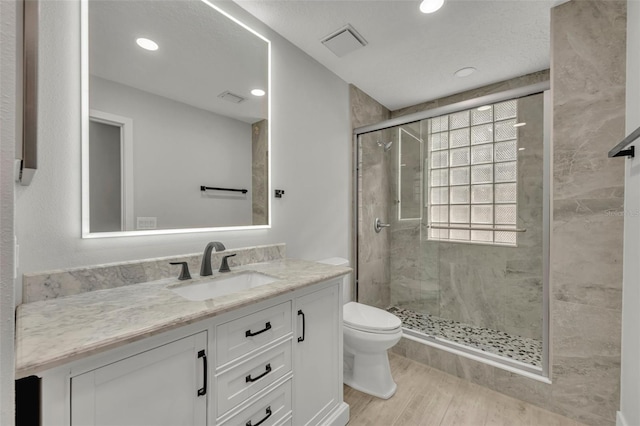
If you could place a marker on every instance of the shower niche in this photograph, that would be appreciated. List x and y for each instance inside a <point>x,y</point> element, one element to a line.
<point>465,189</point>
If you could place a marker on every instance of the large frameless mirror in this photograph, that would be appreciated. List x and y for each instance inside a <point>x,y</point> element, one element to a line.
<point>175,119</point>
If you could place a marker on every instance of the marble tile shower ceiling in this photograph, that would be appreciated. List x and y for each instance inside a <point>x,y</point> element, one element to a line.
<point>528,351</point>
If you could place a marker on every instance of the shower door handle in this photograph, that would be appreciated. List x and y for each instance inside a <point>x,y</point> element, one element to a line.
<point>377,226</point>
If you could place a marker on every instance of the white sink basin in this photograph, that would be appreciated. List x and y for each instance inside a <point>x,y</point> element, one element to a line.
<point>216,287</point>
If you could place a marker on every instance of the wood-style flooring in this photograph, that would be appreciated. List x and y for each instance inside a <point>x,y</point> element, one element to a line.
<point>430,397</point>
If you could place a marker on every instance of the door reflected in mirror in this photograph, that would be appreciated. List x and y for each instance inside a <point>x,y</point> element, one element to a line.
<point>176,103</point>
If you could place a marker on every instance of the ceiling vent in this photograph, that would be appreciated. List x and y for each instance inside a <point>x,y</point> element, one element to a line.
<point>344,41</point>
<point>231,97</point>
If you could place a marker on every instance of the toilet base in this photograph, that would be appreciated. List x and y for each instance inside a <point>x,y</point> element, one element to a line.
<point>369,392</point>
<point>369,373</point>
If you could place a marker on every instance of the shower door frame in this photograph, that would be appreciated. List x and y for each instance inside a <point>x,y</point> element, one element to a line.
<point>544,373</point>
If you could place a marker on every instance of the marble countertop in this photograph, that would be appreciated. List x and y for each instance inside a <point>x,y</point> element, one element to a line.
<point>54,332</point>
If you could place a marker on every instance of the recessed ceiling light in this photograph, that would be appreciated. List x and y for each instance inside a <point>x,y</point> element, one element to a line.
<point>520,149</point>
<point>464,72</point>
<point>519,124</point>
<point>258,92</point>
<point>147,44</point>
<point>430,6</point>
<point>484,108</point>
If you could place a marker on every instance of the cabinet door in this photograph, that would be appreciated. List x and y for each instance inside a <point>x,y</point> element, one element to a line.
<point>157,387</point>
<point>316,343</point>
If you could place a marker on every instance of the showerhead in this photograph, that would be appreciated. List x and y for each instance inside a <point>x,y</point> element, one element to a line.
<point>387,146</point>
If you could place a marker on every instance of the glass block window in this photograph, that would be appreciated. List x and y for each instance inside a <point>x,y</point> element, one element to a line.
<point>472,176</point>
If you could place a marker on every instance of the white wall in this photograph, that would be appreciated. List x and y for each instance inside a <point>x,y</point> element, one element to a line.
<point>8,135</point>
<point>630,375</point>
<point>310,161</point>
<point>176,149</point>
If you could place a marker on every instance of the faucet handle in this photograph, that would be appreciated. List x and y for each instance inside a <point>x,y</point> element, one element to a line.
<point>224,266</point>
<point>184,272</point>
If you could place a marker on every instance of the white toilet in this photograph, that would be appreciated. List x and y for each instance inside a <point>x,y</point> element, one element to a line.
<point>368,333</point>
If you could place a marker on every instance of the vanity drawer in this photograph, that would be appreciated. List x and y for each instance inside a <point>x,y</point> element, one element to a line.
<point>271,409</point>
<point>245,380</point>
<point>244,335</point>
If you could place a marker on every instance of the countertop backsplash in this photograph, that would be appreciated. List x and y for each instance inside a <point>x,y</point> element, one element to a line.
<point>39,286</point>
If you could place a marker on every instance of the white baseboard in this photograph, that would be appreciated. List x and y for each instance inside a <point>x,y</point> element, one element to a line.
<point>338,417</point>
<point>620,420</point>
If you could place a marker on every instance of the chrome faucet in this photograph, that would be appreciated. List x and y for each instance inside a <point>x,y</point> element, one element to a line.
<point>205,265</point>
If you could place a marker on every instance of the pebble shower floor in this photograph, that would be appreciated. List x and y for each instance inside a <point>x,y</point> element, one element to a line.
<point>528,351</point>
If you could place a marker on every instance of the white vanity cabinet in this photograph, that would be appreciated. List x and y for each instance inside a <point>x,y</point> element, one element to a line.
<point>318,355</point>
<point>276,362</point>
<point>165,386</point>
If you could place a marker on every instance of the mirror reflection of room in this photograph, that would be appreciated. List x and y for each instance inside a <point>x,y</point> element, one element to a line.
<point>178,133</point>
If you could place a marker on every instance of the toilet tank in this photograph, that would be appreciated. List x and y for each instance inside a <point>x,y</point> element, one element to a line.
<point>346,280</point>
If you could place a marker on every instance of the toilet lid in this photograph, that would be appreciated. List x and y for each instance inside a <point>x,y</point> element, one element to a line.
<point>365,317</point>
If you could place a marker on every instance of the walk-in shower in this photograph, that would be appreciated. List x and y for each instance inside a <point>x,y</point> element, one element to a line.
<point>465,190</point>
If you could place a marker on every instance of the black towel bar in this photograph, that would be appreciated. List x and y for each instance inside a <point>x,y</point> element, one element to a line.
<point>204,188</point>
<point>619,151</point>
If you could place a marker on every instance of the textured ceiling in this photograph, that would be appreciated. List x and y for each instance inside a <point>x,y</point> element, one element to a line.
<point>410,56</point>
<point>202,54</point>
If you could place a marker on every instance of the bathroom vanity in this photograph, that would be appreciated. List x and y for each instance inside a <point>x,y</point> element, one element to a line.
<point>143,354</point>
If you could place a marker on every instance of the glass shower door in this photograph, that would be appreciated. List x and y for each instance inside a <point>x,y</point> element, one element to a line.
<point>462,261</point>
<point>374,200</point>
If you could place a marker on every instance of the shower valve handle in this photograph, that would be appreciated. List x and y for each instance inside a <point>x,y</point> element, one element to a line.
<point>379,225</point>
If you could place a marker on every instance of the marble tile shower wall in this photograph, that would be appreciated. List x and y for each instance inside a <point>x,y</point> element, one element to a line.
<point>486,286</point>
<point>588,47</point>
<point>66,282</point>
<point>373,196</point>
<point>588,55</point>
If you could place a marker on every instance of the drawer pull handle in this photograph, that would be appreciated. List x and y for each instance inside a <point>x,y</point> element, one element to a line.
<point>267,326</point>
<point>301,339</point>
<point>267,371</point>
<point>268,411</point>
<point>203,390</point>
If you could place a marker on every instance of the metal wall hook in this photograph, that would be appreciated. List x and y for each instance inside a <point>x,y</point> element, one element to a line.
<point>378,225</point>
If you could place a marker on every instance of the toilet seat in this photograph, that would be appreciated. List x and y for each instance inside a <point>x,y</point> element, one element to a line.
<point>373,331</point>
<point>370,319</point>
